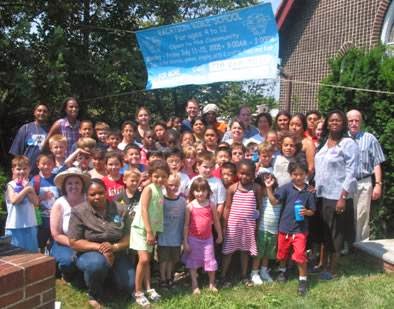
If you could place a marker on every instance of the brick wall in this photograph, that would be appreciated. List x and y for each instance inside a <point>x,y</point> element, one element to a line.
<point>27,280</point>
<point>317,30</point>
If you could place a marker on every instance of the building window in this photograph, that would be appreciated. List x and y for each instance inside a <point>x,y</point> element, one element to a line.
<point>387,36</point>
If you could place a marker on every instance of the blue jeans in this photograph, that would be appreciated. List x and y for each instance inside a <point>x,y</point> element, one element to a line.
<point>96,269</point>
<point>65,259</point>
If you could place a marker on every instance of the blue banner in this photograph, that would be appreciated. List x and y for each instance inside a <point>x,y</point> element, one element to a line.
<point>238,45</point>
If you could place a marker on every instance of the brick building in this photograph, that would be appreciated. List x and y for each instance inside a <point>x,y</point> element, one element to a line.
<point>313,31</point>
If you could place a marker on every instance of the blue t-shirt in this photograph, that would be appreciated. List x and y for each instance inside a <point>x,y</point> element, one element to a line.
<point>48,193</point>
<point>29,141</point>
<point>173,224</point>
<point>287,195</point>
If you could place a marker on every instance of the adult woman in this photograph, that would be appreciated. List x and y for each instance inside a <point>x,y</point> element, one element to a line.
<point>72,184</point>
<point>31,136</point>
<point>211,138</point>
<point>298,126</point>
<point>237,132</point>
<point>263,124</point>
<point>335,163</point>
<point>142,117</point>
<point>69,125</point>
<point>198,128</point>
<point>282,120</point>
<point>99,236</point>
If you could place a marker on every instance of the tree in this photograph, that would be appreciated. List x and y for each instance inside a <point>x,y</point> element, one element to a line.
<point>372,69</point>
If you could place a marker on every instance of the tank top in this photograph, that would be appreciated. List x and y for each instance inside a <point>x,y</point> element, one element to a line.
<point>201,220</point>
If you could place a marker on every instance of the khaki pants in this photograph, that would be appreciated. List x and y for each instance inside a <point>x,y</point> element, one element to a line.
<point>362,205</point>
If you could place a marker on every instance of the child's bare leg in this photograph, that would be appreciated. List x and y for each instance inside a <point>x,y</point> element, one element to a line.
<point>256,263</point>
<point>321,258</point>
<point>211,276</point>
<point>163,271</point>
<point>302,269</point>
<point>225,264</point>
<point>193,275</point>
<point>140,273</point>
<point>244,263</point>
<point>265,261</point>
<point>170,270</point>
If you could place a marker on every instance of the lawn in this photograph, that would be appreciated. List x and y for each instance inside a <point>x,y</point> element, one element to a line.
<point>358,285</point>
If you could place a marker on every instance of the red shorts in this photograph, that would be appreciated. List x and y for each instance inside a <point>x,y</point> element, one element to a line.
<point>295,241</point>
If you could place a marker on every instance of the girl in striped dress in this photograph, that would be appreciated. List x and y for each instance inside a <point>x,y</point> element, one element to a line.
<point>240,215</point>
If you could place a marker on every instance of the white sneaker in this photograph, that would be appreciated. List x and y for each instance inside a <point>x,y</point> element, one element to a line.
<point>255,277</point>
<point>265,276</point>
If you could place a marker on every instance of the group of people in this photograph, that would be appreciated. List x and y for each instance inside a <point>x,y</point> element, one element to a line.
<point>102,201</point>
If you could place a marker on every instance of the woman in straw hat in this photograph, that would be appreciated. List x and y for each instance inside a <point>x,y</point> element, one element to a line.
<point>72,183</point>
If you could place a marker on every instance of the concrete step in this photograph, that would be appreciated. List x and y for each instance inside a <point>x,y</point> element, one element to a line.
<point>381,251</point>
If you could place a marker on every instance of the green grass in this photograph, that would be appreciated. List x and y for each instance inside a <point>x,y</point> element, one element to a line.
<point>359,285</point>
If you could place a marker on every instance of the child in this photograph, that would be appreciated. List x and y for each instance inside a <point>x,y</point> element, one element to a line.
<point>292,233</point>
<point>147,222</point>
<point>148,145</point>
<point>237,152</point>
<point>229,174</point>
<point>114,180</point>
<point>113,140</point>
<point>266,151</point>
<point>187,139</point>
<point>170,240</point>
<point>127,130</point>
<point>85,130</point>
<point>21,223</point>
<point>161,136</point>
<point>58,147</point>
<point>47,192</point>
<point>82,154</point>
<point>289,149</point>
<point>102,130</point>
<point>239,218</point>
<point>222,156</point>
<point>130,197</point>
<point>200,147</point>
<point>198,239</point>
<point>174,159</point>
<point>98,161</point>
<point>189,161</point>
<point>205,165</point>
<point>251,152</point>
<point>132,158</point>
<point>267,235</point>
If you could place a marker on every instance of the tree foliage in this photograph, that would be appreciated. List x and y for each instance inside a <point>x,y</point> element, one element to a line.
<point>54,49</point>
<point>372,69</point>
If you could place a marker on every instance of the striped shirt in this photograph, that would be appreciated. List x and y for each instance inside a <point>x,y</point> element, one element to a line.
<point>71,132</point>
<point>371,154</point>
<point>270,215</point>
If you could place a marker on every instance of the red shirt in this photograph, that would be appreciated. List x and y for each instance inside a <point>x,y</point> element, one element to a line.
<point>113,188</point>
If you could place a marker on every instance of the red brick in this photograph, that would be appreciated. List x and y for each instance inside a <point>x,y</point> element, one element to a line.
<point>39,269</point>
<point>11,298</point>
<point>11,278</point>
<point>49,295</point>
<point>27,304</point>
<point>22,258</point>
<point>49,305</point>
<point>37,288</point>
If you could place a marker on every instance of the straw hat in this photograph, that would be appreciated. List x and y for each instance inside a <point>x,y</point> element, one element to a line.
<point>72,171</point>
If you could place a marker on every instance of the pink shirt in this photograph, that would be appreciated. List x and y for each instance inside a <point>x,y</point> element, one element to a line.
<point>201,220</point>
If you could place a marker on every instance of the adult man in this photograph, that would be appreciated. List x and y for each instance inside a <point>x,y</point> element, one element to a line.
<point>245,116</point>
<point>31,136</point>
<point>371,157</point>
<point>192,110</point>
<point>210,112</point>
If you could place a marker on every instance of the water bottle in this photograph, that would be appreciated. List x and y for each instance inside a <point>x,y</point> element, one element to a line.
<point>297,211</point>
<point>18,186</point>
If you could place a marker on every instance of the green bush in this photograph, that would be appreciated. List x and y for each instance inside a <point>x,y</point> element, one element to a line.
<point>372,69</point>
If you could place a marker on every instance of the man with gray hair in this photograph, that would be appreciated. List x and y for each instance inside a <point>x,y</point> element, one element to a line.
<point>371,157</point>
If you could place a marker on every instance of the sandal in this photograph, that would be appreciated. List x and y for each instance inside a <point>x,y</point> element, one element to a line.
<point>141,300</point>
<point>153,295</point>
<point>246,281</point>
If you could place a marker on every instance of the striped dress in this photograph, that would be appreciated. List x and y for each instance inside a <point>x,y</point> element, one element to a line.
<point>241,227</point>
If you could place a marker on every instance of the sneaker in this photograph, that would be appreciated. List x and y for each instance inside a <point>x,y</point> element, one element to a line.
<point>302,287</point>
<point>282,277</point>
<point>141,300</point>
<point>153,295</point>
<point>265,276</point>
<point>255,277</point>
